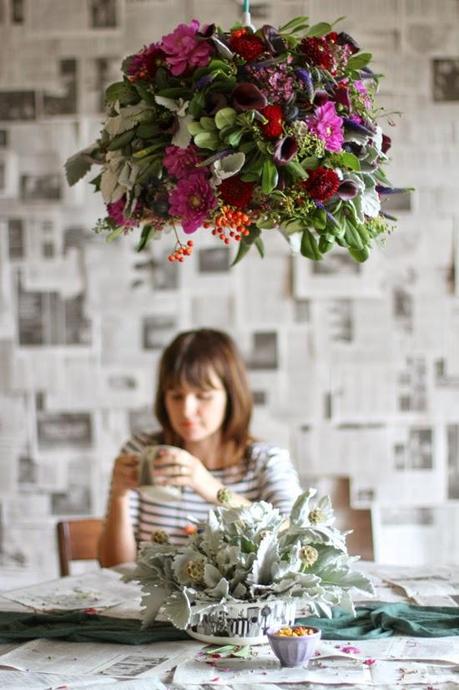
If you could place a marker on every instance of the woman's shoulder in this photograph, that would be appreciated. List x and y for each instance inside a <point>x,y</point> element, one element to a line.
<point>262,452</point>
<point>140,440</point>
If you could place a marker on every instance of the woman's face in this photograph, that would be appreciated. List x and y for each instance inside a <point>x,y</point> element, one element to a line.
<point>196,413</point>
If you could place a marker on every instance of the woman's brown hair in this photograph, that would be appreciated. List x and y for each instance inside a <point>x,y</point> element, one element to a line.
<point>191,359</point>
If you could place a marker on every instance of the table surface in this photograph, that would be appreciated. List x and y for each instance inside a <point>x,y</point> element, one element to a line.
<point>405,662</point>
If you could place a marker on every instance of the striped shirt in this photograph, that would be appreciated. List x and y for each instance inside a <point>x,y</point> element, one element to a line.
<point>266,473</point>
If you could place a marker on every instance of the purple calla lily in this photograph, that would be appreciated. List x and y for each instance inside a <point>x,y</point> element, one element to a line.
<point>345,40</point>
<point>273,39</point>
<point>247,96</point>
<point>286,149</point>
<point>353,126</point>
<point>347,190</point>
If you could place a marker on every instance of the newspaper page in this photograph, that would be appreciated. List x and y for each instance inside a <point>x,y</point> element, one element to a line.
<point>263,664</point>
<point>99,590</point>
<point>115,660</point>
<point>19,680</point>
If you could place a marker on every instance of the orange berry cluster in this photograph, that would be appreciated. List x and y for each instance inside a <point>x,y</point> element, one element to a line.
<point>297,631</point>
<point>181,251</point>
<point>230,224</point>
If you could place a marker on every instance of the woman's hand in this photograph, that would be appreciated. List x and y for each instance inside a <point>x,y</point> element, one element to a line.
<point>177,467</point>
<point>125,476</point>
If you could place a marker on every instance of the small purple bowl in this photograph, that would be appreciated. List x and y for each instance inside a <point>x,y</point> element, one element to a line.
<point>293,651</point>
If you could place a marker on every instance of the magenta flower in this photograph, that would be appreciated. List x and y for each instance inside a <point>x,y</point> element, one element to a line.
<point>179,162</point>
<point>184,50</point>
<point>328,126</point>
<point>192,200</point>
<point>143,65</point>
<point>363,91</point>
<point>115,211</point>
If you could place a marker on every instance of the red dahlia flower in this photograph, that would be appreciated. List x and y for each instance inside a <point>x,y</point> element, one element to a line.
<point>236,192</point>
<point>275,116</point>
<point>321,184</point>
<point>317,52</point>
<point>246,45</point>
<point>144,64</point>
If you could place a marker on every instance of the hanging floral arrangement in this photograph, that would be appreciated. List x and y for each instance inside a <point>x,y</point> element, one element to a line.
<point>239,133</point>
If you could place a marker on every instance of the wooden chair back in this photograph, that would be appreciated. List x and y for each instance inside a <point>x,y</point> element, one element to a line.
<point>77,540</point>
<point>360,541</point>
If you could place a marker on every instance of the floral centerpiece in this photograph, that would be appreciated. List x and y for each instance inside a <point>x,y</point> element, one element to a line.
<point>239,132</point>
<point>253,558</point>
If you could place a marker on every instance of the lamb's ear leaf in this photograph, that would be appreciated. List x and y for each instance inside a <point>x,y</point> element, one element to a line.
<point>177,609</point>
<point>152,599</point>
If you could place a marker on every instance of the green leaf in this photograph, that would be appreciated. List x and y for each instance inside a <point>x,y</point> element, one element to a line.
<point>207,140</point>
<point>245,244</point>
<point>359,255</point>
<point>258,242</point>
<point>225,117</point>
<point>197,103</point>
<point>310,163</point>
<point>123,92</point>
<point>195,128</point>
<point>77,166</point>
<point>351,236</point>
<point>269,176</point>
<point>293,25</point>
<point>234,138</point>
<point>319,29</point>
<point>309,247</point>
<point>114,234</point>
<point>358,61</point>
<point>208,124</point>
<point>296,170</point>
<point>177,609</point>
<point>146,130</point>
<point>349,160</point>
<point>319,219</point>
<point>175,92</point>
<point>144,237</point>
<point>149,150</point>
<point>121,140</point>
<point>325,244</point>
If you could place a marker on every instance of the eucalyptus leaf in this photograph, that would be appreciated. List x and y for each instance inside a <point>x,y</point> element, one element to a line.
<point>225,117</point>
<point>207,140</point>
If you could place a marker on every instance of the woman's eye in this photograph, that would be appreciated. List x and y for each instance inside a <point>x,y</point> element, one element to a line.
<point>205,396</point>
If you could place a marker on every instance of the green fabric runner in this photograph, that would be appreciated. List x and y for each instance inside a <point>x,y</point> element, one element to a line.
<point>382,620</point>
<point>371,621</point>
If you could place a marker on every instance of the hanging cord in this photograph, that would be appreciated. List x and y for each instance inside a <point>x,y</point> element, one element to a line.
<point>246,18</point>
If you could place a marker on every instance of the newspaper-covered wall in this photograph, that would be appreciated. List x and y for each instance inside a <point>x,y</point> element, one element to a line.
<point>354,367</point>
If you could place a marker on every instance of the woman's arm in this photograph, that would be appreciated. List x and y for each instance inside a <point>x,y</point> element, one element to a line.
<point>117,542</point>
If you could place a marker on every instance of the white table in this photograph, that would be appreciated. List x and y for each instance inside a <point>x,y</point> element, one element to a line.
<point>393,662</point>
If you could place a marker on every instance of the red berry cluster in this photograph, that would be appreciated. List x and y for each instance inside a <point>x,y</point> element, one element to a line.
<point>181,251</point>
<point>246,44</point>
<point>230,224</point>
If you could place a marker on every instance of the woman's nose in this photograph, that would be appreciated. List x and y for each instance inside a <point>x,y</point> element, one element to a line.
<point>189,405</point>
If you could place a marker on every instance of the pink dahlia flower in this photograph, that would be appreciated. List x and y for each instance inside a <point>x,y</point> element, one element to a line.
<point>115,211</point>
<point>192,200</point>
<point>328,126</point>
<point>180,162</point>
<point>183,50</point>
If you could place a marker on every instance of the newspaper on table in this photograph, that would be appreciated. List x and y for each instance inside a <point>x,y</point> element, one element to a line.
<point>99,590</point>
<point>89,658</point>
<point>19,680</point>
<point>438,586</point>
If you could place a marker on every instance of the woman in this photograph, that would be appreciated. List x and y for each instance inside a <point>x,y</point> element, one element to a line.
<point>204,405</point>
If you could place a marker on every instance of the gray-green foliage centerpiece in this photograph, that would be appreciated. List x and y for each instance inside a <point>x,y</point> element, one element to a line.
<point>249,555</point>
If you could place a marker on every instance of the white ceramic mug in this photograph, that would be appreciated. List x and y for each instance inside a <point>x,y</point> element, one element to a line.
<point>146,481</point>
